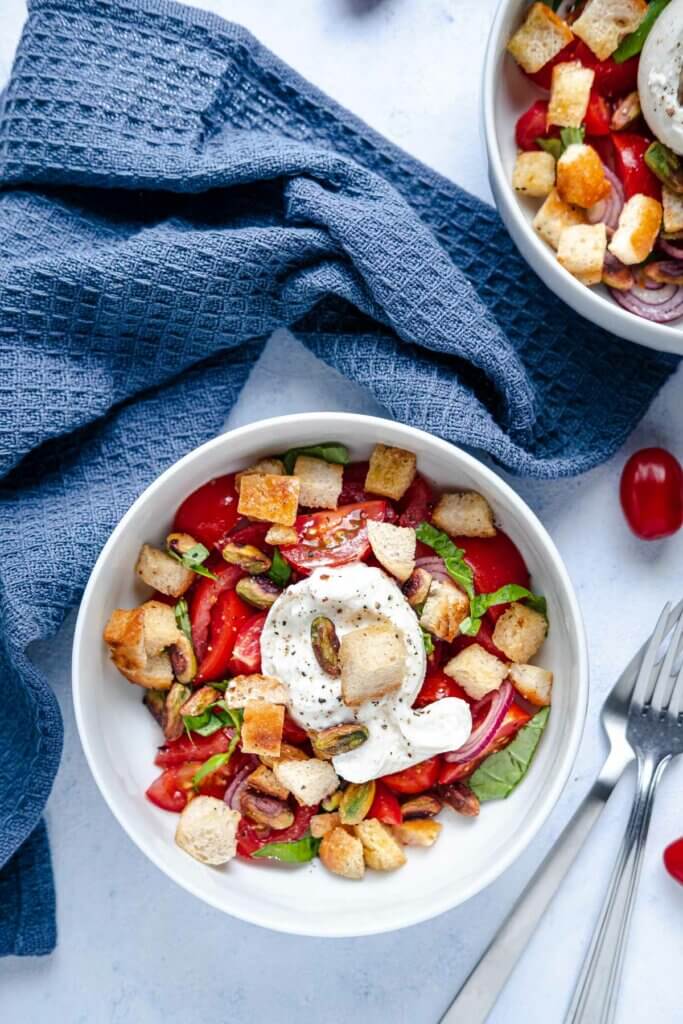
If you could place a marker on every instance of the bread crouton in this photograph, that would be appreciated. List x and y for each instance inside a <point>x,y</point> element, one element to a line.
<point>637,230</point>
<point>207,830</point>
<point>321,482</point>
<point>372,661</point>
<point>264,467</point>
<point>464,514</point>
<point>445,608</point>
<point>520,632</point>
<point>282,535</point>
<point>242,690</point>
<point>533,683</point>
<point>137,641</point>
<point>288,752</point>
<point>342,854</point>
<point>581,178</point>
<point>554,216</point>
<point>603,24</point>
<point>263,779</point>
<point>420,832</point>
<point>391,471</point>
<point>540,38</point>
<point>582,251</point>
<point>262,728</point>
<point>672,205</point>
<point>309,781</point>
<point>534,174</point>
<point>321,824</point>
<point>477,671</point>
<point>163,573</point>
<point>380,850</point>
<point>393,547</point>
<point>417,587</point>
<point>569,94</point>
<point>274,499</point>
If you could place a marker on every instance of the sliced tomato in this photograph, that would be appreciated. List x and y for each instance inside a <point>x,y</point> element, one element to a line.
<point>597,117</point>
<point>416,504</point>
<point>192,748</point>
<point>385,807</point>
<point>629,159</point>
<point>515,718</point>
<point>202,602</point>
<point>292,732</point>
<point>532,125</point>
<point>333,538</point>
<point>229,615</point>
<point>210,511</point>
<point>246,654</point>
<point>436,686</point>
<point>251,837</point>
<point>416,779</point>
<point>495,561</point>
<point>611,79</point>
<point>172,789</point>
<point>353,483</point>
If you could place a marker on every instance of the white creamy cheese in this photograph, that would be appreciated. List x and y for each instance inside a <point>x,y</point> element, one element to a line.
<point>355,596</point>
<point>659,77</point>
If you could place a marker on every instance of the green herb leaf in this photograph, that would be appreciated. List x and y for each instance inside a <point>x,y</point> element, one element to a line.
<point>453,556</point>
<point>182,618</point>
<point>427,641</point>
<point>633,43</point>
<point>572,136</point>
<point>206,724</point>
<point>552,146</point>
<point>297,852</point>
<point>470,626</point>
<point>280,572</point>
<point>193,559</point>
<point>498,774</point>
<point>504,595</point>
<point>212,765</point>
<point>330,451</point>
<point>666,165</point>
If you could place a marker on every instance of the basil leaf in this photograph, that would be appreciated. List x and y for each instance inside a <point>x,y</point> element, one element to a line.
<point>453,556</point>
<point>634,42</point>
<point>552,146</point>
<point>213,725</point>
<point>504,595</point>
<point>194,722</point>
<point>329,451</point>
<point>570,136</point>
<point>297,852</point>
<point>212,765</point>
<point>280,572</point>
<point>470,626</point>
<point>193,559</point>
<point>427,641</point>
<point>498,774</point>
<point>182,618</point>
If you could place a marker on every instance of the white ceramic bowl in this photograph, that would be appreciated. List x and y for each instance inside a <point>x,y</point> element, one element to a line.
<point>119,736</point>
<point>507,93</point>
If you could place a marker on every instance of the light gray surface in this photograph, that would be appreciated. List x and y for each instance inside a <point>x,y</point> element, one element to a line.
<point>133,947</point>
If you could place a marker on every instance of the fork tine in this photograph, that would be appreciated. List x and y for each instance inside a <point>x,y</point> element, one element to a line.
<point>676,702</point>
<point>663,687</point>
<point>642,689</point>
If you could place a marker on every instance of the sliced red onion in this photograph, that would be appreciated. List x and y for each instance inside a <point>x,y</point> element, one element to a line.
<point>607,210</point>
<point>659,304</point>
<point>434,566</point>
<point>499,701</point>
<point>237,785</point>
<point>670,247</point>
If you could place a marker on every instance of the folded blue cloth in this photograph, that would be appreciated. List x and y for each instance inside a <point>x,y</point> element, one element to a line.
<point>171,194</point>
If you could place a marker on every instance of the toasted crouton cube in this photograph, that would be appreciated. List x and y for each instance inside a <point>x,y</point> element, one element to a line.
<point>309,781</point>
<point>321,482</point>
<point>445,608</point>
<point>672,205</point>
<point>636,234</point>
<point>138,640</point>
<point>391,471</point>
<point>477,671</point>
<point>287,753</point>
<point>569,94</point>
<point>342,854</point>
<point>520,632</point>
<point>321,824</point>
<point>416,588</point>
<point>582,251</point>
<point>540,38</point>
<point>373,662</point>
<point>264,467</point>
<point>554,216</point>
<point>533,682</point>
<point>207,830</point>
<point>242,690</point>
<point>534,174</point>
<point>262,728</point>
<point>163,573</point>
<point>282,535</point>
<point>393,547</point>
<point>604,23</point>
<point>263,779</point>
<point>380,850</point>
<point>420,832</point>
<point>466,514</point>
<point>581,178</point>
<point>274,499</point>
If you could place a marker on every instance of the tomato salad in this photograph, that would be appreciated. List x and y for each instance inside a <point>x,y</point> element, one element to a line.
<point>600,145</point>
<point>334,652</point>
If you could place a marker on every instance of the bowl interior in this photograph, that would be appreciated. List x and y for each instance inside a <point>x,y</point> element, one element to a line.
<point>120,737</point>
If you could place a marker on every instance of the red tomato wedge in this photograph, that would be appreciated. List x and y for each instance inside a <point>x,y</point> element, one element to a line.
<point>229,615</point>
<point>416,779</point>
<point>292,732</point>
<point>385,807</point>
<point>495,561</point>
<point>611,79</point>
<point>246,654</point>
<point>532,125</point>
<point>202,602</point>
<point>630,166</point>
<point>210,511</point>
<point>597,119</point>
<point>515,718</point>
<point>333,538</point>
<point>436,686</point>
<point>251,837</point>
<point>651,493</point>
<point>171,789</point>
<point>416,504</point>
<point>192,748</point>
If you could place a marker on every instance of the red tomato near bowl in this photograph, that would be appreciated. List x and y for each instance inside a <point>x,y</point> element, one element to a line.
<point>202,601</point>
<point>385,806</point>
<point>227,618</point>
<point>246,654</point>
<point>210,511</point>
<point>330,539</point>
<point>673,860</point>
<point>651,493</point>
<point>436,686</point>
<point>416,779</point>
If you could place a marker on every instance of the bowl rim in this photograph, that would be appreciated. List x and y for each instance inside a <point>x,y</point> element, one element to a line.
<point>592,305</point>
<point>576,629</point>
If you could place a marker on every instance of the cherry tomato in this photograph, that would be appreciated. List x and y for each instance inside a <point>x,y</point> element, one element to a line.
<point>416,779</point>
<point>597,117</point>
<point>385,807</point>
<point>532,125</point>
<point>436,686</point>
<point>251,837</point>
<point>203,599</point>
<point>416,504</point>
<point>292,732</point>
<point>228,617</point>
<point>673,860</point>
<point>544,77</point>
<point>333,538</point>
<point>192,748</point>
<point>652,493</point>
<point>494,561</point>
<point>353,483</point>
<point>515,718</point>
<point>210,511</point>
<point>611,79</point>
<point>172,788</point>
<point>630,166</point>
<point>246,654</point>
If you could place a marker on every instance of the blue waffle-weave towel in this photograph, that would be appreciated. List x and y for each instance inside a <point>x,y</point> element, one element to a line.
<point>171,193</point>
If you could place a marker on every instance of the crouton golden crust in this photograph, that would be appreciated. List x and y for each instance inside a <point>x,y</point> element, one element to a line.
<point>161,572</point>
<point>265,467</point>
<point>637,231</point>
<point>582,251</point>
<point>604,23</point>
<point>520,632</point>
<point>393,547</point>
<point>380,849</point>
<point>533,683</point>
<point>465,514</point>
<point>321,482</point>
<point>308,780</point>
<point>420,832</point>
<point>242,690</point>
<point>477,671</point>
<point>673,211</point>
<point>373,662</point>
<point>207,830</point>
<point>581,178</point>
<point>137,639</point>
<point>534,174</point>
<point>321,824</point>
<point>342,854</point>
<point>540,38</point>
<point>269,498</point>
<point>554,216</point>
<point>263,779</point>
<point>569,94</point>
<point>262,728</point>
<point>391,471</point>
<point>445,608</point>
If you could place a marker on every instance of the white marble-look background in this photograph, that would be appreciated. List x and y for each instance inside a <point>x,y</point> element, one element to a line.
<point>134,948</point>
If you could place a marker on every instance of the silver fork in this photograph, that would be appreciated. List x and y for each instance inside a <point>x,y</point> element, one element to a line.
<point>655,732</point>
<point>477,996</point>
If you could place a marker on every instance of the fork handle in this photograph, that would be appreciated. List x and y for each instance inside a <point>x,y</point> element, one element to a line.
<point>595,996</point>
<point>477,996</point>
